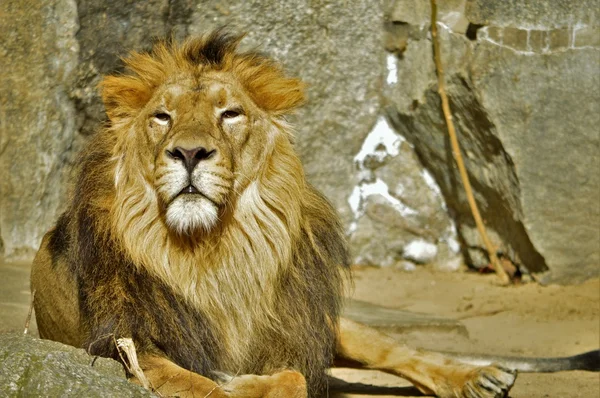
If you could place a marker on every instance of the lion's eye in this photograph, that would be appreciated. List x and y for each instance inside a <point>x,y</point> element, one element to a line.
<point>231,113</point>
<point>162,118</point>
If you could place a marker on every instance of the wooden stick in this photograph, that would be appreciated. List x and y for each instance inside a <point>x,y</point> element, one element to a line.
<point>126,344</point>
<point>28,319</point>
<point>456,150</point>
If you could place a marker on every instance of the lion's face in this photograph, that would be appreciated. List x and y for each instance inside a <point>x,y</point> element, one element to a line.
<point>205,138</point>
<point>195,125</point>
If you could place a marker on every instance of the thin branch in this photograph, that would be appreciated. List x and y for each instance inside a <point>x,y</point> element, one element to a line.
<point>456,150</point>
<point>28,319</point>
<point>126,344</point>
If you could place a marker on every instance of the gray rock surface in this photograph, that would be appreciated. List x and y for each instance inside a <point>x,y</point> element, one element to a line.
<point>526,100</point>
<point>400,214</point>
<point>38,53</point>
<point>554,144</point>
<point>31,367</point>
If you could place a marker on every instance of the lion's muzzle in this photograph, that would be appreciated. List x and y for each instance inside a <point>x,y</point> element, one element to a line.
<point>190,157</point>
<point>194,179</point>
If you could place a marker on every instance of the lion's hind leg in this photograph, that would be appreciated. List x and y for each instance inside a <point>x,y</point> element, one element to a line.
<point>171,380</point>
<point>431,373</point>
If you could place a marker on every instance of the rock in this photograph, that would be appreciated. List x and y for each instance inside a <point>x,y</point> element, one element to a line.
<point>38,53</point>
<point>420,251</point>
<point>524,98</point>
<point>396,205</point>
<point>550,132</point>
<point>33,367</point>
<point>532,14</point>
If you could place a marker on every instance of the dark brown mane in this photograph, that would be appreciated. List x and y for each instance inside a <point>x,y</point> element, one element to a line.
<point>213,49</point>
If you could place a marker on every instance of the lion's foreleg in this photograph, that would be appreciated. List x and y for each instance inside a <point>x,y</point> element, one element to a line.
<point>284,384</point>
<point>169,379</point>
<point>432,373</point>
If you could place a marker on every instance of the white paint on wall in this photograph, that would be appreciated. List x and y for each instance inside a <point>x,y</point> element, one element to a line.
<point>453,244</point>
<point>355,200</point>
<point>381,142</point>
<point>420,251</point>
<point>379,187</point>
<point>430,181</point>
<point>361,193</point>
<point>392,67</point>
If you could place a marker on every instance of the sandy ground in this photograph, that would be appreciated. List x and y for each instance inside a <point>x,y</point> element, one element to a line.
<point>528,320</point>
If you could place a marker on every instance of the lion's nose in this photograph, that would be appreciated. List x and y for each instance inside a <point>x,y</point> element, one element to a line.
<point>190,157</point>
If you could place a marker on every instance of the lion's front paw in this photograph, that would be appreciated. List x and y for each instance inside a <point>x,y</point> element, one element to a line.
<point>488,382</point>
<point>285,384</point>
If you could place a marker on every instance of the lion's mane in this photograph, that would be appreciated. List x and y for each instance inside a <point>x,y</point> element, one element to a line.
<point>259,293</point>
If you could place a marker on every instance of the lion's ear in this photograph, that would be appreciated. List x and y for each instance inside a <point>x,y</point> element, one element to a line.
<point>123,96</point>
<point>279,96</point>
<point>268,86</point>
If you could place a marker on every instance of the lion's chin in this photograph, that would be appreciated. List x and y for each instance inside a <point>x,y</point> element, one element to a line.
<point>189,213</point>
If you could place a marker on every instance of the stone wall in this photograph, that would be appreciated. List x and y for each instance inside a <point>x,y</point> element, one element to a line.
<point>524,89</point>
<point>523,83</point>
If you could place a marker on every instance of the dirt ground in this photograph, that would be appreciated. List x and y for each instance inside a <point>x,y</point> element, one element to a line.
<point>527,320</point>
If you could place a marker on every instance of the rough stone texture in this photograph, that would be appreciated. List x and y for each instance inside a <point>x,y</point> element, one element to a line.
<point>525,99</point>
<point>38,53</point>
<point>410,210</point>
<point>33,367</point>
<point>554,143</point>
<point>533,14</point>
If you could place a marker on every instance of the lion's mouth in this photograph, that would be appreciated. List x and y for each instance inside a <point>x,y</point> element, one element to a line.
<point>191,190</point>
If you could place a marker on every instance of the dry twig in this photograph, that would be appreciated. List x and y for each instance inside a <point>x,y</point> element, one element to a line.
<point>28,319</point>
<point>456,149</point>
<point>126,344</point>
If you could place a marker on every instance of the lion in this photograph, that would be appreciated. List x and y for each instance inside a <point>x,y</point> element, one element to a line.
<point>193,231</point>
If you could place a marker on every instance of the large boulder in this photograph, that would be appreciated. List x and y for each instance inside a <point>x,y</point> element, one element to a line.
<point>32,367</point>
<point>400,217</point>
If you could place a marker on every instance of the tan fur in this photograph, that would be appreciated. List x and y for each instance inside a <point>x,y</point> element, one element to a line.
<point>432,373</point>
<point>193,231</point>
